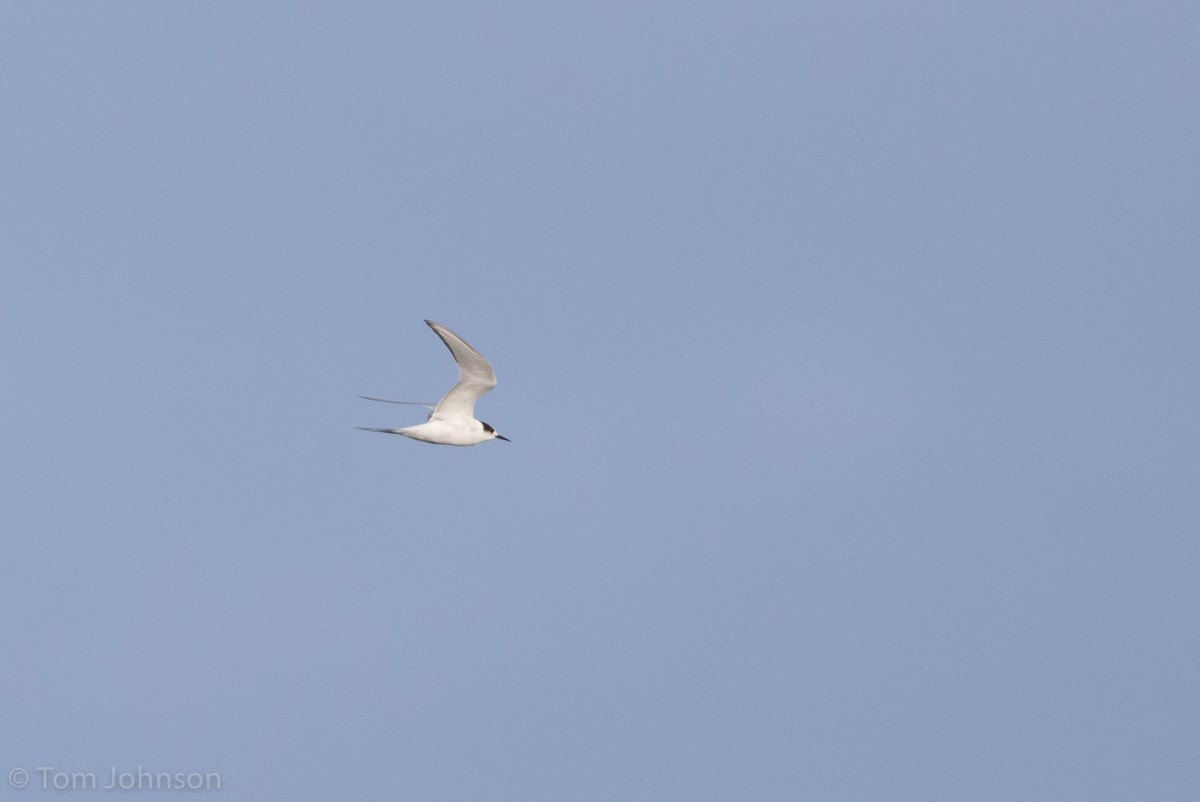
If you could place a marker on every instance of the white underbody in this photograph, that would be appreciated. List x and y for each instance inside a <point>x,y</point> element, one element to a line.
<point>452,432</point>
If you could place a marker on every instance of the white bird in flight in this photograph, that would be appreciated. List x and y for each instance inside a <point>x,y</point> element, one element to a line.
<point>452,421</point>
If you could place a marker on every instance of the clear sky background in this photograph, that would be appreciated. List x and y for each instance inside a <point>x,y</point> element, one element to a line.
<point>849,353</point>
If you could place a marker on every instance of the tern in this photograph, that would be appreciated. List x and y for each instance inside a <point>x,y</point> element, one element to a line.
<point>452,421</point>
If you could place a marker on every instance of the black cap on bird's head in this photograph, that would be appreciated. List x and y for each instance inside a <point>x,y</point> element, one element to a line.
<point>487,427</point>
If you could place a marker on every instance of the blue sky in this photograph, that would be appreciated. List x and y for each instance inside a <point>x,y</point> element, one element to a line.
<point>848,351</point>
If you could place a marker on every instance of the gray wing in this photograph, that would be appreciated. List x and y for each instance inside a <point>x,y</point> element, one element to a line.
<point>475,376</point>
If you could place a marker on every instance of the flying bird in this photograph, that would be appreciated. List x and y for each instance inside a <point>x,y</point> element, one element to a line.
<point>452,420</point>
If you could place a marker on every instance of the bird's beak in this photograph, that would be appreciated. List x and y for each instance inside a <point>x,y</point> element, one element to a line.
<point>502,437</point>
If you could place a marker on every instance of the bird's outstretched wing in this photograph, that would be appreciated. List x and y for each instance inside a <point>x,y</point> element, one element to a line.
<point>475,376</point>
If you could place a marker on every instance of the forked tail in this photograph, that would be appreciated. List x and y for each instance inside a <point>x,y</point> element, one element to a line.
<point>390,401</point>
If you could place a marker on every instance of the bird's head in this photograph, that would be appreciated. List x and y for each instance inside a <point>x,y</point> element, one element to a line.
<point>487,427</point>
